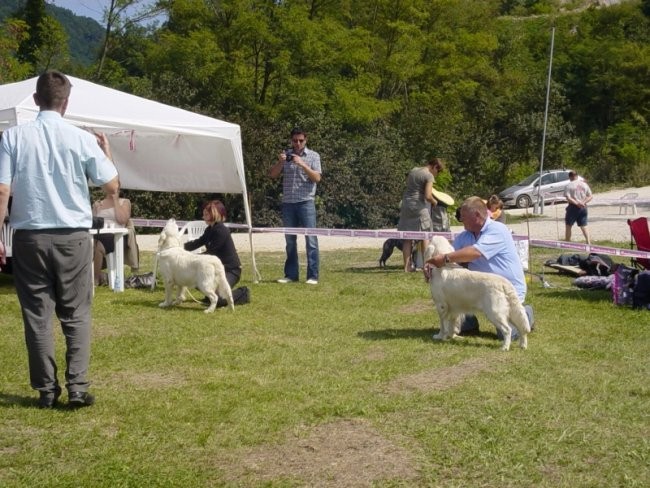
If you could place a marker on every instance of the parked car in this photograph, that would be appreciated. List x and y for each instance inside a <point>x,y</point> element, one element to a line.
<point>525,193</point>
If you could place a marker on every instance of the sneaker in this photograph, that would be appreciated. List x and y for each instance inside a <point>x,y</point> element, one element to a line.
<point>311,281</point>
<point>285,280</point>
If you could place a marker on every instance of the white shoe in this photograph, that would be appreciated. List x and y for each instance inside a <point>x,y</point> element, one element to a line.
<point>285,280</point>
<point>311,281</point>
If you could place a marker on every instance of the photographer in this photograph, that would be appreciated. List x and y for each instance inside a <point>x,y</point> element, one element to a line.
<point>301,172</point>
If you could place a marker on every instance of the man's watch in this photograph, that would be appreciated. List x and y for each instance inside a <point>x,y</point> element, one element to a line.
<point>447,260</point>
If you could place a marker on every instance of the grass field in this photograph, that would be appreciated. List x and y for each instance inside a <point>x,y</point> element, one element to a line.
<point>337,385</point>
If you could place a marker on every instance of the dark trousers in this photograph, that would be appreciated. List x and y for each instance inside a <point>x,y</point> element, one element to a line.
<point>232,276</point>
<point>52,273</point>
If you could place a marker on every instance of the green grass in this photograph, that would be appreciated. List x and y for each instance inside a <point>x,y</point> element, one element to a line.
<point>183,397</point>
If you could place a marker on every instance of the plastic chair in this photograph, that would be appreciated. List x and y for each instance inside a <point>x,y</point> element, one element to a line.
<point>640,234</point>
<point>193,230</point>
<point>190,231</point>
<point>628,200</point>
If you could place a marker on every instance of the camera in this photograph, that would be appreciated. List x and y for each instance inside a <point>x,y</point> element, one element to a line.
<point>289,156</point>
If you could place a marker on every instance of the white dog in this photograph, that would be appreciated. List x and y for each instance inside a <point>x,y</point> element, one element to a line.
<point>457,291</point>
<point>181,268</point>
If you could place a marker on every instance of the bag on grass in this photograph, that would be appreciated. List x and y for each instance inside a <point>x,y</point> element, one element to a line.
<point>597,265</point>
<point>140,281</point>
<point>623,285</point>
<point>641,291</point>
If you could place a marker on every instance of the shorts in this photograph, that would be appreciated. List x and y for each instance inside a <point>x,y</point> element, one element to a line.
<point>576,214</point>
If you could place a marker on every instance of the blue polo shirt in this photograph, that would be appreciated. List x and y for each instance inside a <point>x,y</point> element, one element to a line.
<point>48,163</point>
<point>498,254</point>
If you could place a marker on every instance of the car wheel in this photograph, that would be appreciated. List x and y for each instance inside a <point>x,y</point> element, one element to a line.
<point>523,201</point>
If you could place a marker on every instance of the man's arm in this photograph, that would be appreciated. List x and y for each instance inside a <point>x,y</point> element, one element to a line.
<point>276,169</point>
<point>311,174</point>
<point>112,188</point>
<point>466,254</point>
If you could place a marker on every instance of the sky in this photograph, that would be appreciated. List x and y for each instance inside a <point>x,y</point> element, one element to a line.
<point>87,8</point>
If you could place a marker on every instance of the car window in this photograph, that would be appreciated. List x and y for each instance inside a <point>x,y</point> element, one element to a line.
<point>548,179</point>
<point>563,176</point>
<point>528,181</point>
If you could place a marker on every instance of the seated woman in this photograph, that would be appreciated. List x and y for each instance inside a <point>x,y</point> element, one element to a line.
<point>217,241</point>
<point>115,211</point>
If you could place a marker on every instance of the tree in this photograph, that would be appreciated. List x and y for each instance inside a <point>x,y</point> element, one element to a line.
<point>34,15</point>
<point>12,33</point>
<point>120,16</point>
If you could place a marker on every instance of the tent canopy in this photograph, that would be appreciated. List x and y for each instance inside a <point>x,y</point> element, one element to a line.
<point>156,147</point>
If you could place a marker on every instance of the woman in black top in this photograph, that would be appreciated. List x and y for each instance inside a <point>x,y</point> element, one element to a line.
<point>217,241</point>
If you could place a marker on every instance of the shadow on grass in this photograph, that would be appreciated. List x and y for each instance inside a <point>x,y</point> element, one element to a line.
<point>372,269</point>
<point>581,294</point>
<point>8,400</point>
<point>421,334</point>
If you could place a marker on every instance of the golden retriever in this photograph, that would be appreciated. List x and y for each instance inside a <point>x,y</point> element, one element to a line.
<point>457,291</point>
<point>181,269</point>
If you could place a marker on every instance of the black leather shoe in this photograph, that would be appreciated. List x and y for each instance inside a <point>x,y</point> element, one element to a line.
<point>49,399</point>
<point>79,399</point>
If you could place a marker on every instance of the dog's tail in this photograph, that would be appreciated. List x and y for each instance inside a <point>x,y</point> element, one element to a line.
<point>517,315</point>
<point>221,286</point>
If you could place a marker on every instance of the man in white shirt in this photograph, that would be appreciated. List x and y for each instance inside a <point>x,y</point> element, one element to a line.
<point>46,165</point>
<point>578,194</point>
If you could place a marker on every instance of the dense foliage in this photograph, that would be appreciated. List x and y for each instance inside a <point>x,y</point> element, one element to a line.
<point>382,85</point>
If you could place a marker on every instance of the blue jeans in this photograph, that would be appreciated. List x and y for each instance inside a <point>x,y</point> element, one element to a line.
<point>301,214</point>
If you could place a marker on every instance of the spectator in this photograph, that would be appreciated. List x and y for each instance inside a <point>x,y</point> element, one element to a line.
<point>301,170</point>
<point>439,215</point>
<point>415,213</point>
<point>495,209</point>
<point>218,242</point>
<point>486,245</point>
<point>116,212</point>
<point>578,194</point>
<point>48,163</point>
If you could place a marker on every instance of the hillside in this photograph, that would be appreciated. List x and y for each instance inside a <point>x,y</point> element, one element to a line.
<point>84,34</point>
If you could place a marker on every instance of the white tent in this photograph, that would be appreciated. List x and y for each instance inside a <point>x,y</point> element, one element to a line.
<point>156,147</point>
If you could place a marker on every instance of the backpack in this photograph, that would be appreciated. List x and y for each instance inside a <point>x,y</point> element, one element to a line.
<point>641,292</point>
<point>140,281</point>
<point>623,285</point>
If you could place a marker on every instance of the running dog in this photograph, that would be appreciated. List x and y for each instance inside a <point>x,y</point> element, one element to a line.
<point>457,291</point>
<point>181,269</point>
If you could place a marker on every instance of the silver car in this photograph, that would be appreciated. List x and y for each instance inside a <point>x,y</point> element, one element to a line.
<point>526,193</point>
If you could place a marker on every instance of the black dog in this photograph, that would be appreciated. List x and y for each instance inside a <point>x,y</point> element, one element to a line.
<point>388,248</point>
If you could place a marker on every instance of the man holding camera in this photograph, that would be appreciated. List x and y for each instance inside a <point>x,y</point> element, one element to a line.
<point>301,172</point>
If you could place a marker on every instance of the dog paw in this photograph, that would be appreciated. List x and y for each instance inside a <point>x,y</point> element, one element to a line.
<point>163,304</point>
<point>438,337</point>
<point>505,347</point>
<point>210,309</point>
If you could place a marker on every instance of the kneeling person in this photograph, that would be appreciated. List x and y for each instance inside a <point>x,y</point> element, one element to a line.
<point>486,245</point>
<point>218,242</point>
